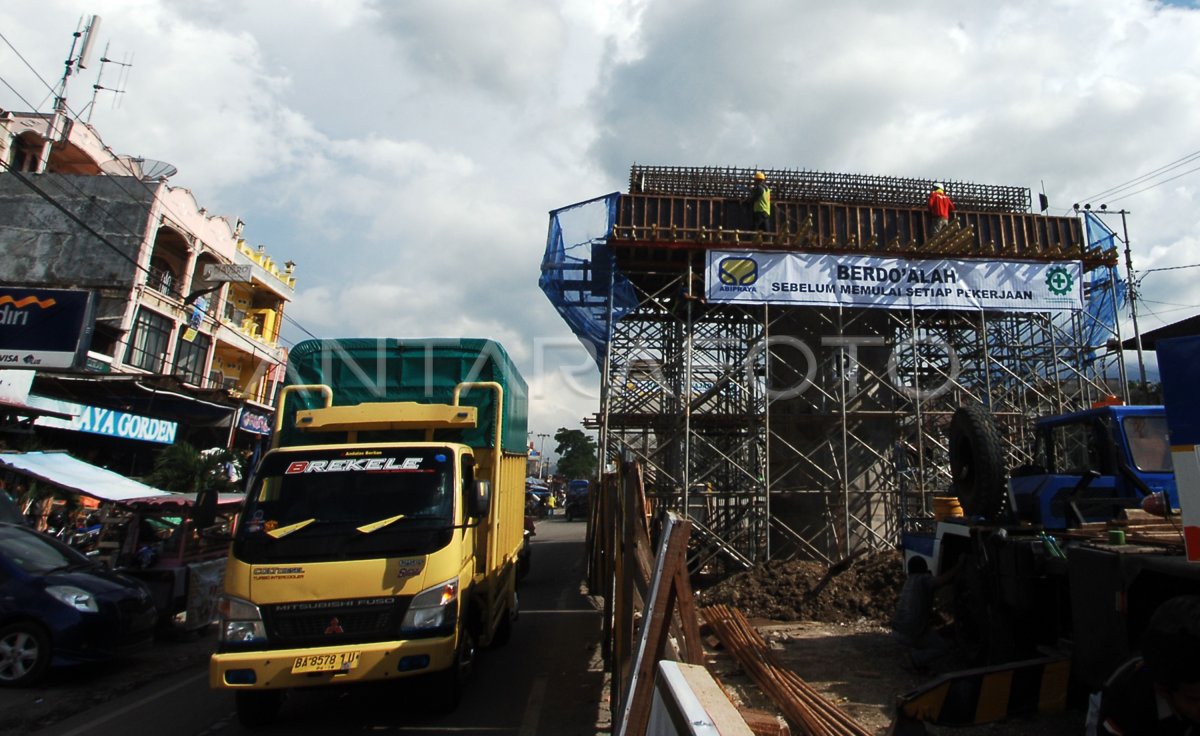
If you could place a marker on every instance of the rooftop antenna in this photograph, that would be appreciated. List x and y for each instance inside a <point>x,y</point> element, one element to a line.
<point>83,40</point>
<point>97,88</point>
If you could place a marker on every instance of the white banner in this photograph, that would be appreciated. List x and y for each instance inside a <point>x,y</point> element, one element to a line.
<point>757,277</point>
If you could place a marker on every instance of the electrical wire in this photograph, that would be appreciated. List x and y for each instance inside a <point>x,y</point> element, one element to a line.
<point>72,216</point>
<point>91,231</point>
<point>1156,184</point>
<point>27,64</point>
<point>1170,268</point>
<point>153,193</point>
<point>1139,179</point>
<point>299,326</point>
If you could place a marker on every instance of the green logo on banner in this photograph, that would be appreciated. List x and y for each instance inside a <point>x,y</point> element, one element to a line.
<point>1059,281</point>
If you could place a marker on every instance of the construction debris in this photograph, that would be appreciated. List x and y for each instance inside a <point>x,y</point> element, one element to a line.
<point>862,587</point>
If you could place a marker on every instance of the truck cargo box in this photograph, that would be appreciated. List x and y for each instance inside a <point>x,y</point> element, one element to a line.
<point>424,370</point>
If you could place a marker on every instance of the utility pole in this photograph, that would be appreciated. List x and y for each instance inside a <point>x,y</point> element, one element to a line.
<point>542,456</point>
<point>1131,285</point>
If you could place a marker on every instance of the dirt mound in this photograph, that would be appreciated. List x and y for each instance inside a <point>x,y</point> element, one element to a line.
<point>865,586</point>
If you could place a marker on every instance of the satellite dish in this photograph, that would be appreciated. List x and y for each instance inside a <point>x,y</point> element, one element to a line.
<point>155,170</point>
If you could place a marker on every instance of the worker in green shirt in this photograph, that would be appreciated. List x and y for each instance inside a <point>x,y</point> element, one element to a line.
<point>760,202</point>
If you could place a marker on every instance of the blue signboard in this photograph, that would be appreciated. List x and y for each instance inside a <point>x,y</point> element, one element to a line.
<point>45,328</point>
<point>109,422</point>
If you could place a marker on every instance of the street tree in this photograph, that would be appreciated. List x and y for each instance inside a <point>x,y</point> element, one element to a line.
<point>184,469</point>
<point>576,454</point>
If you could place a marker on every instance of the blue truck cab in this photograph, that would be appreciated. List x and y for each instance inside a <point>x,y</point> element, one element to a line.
<point>1088,464</point>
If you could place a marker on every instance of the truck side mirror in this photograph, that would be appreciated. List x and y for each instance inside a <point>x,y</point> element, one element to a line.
<point>481,499</point>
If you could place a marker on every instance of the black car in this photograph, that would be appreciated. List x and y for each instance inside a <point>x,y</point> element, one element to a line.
<point>59,607</point>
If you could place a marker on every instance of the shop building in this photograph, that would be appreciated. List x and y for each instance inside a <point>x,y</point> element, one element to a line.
<point>168,321</point>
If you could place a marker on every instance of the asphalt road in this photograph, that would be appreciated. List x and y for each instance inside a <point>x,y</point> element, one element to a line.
<point>547,680</point>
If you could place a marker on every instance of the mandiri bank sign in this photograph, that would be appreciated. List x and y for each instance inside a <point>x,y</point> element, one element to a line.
<point>45,328</point>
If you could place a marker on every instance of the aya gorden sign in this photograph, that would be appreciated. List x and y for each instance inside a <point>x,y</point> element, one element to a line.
<point>871,281</point>
<point>45,328</point>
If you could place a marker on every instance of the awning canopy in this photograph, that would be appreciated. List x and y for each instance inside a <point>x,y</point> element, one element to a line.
<point>173,501</point>
<point>75,476</point>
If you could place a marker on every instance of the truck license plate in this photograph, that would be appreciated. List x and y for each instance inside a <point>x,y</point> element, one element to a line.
<point>340,662</point>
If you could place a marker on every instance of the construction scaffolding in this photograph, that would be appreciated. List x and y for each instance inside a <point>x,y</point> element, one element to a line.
<point>788,431</point>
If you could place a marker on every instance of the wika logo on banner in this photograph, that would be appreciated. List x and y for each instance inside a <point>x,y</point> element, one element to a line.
<point>872,281</point>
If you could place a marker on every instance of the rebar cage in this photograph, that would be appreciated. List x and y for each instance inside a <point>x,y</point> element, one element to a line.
<point>818,432</point>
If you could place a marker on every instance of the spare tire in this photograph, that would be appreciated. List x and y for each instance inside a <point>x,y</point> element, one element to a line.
<point>977,464</point>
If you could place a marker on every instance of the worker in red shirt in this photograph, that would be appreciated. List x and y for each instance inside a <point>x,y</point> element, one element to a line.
<point>941,207</point>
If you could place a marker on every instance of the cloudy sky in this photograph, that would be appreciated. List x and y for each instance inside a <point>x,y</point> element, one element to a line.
<point>405,154</point>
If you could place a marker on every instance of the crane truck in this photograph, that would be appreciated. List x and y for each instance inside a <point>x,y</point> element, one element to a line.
<point>380,536</point>
<point>1059,565</point>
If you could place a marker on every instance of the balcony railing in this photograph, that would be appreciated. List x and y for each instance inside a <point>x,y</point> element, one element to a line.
<point>164,282</point>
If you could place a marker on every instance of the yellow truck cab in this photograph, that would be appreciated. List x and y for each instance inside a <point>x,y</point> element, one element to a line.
<point>380,539</point>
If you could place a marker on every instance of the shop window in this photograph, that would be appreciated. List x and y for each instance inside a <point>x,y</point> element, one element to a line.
<point>148,344</point>
<point>190,357</point>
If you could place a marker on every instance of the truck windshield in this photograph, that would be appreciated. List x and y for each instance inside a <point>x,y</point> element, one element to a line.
<point>1148,443</point>
<point>347,504</point>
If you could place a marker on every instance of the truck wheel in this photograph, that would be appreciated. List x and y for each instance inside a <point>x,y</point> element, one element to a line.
<point>449,684</point>
<point>258,708</point>
<point>977,464</point>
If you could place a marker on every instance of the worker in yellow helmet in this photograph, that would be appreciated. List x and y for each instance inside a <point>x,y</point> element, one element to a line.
<point>760,202</point>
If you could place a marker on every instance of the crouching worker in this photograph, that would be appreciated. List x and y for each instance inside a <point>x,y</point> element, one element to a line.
<point>1157,693</point>
<point>912,625</point>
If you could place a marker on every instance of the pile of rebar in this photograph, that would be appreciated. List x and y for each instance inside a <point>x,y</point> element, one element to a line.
<point>799,702</point>
<point>817,186</point>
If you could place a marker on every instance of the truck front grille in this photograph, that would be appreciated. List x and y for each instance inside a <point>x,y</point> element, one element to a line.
<point>335,622</point>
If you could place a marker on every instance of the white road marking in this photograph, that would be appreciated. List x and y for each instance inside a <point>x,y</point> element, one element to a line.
<point>94,722</point>
<point>533,709</point>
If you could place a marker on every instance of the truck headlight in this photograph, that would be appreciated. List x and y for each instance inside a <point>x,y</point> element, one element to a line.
<point>76,598</point>
<point>241,621</point>
<point>433,608</point>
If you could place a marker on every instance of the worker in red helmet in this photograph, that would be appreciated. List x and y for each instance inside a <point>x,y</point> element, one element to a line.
<point>941,207</point>
<point>760,202</point>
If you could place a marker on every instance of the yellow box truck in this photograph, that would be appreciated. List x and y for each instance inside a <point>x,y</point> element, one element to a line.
<point>380,535</point>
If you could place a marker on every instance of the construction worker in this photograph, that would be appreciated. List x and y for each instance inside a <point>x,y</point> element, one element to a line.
<point>941,207</point>
<point>912,624</point>
<point>760,202</point>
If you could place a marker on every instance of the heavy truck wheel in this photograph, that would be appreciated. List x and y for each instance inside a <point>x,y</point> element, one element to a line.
<point>977,464</point>
<point>448,686</point>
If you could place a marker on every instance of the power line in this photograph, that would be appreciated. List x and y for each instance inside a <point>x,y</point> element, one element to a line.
<point>1156,184</point>
<point>73,217</point>
<point>78,221</point>
<point>299,326</point>
<point>1170,268</point>
<point>153,193</point>
<point>27,64</point>
<point>1137,180</point>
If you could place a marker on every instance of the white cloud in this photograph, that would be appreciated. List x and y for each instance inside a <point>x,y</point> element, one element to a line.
<point>405,155</point>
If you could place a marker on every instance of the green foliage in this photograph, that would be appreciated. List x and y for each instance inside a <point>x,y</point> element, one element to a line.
<point>184,469</point>
<point>576,454</point>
